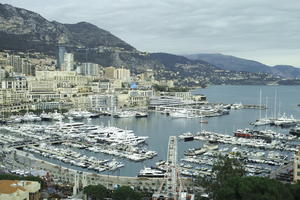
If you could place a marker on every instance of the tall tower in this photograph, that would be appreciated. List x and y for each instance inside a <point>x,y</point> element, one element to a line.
<point>60,57</point>
<point>68,63</point>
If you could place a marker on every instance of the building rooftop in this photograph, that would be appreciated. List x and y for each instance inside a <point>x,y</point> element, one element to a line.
<point>11,186</point>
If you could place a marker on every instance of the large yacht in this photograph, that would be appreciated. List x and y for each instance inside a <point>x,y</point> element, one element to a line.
<point>285,121</point>
<point>57,116</point>
<point>179,114</point>
<point>151,173</point>
<point>46,116</point>
<point>125,114</point>
<point>31,117</point>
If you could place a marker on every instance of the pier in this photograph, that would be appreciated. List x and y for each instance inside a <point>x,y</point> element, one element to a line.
<point>171,187</point>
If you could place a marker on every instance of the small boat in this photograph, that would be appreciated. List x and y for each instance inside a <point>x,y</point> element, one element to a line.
<point>203,121</point>
<point>295,131</point>
<point>246,133</point>
<point>186,137</point>
<point>141,114</point>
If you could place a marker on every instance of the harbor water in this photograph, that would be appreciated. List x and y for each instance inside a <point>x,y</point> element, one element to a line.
<point>158,127</point>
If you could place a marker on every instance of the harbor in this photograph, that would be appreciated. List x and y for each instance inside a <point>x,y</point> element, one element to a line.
<point>141,142</point>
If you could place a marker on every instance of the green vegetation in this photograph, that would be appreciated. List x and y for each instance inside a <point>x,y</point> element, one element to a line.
<point>161,88</point>
<point>228,182</point>
<point>99,192</point>
<point>126,193</point>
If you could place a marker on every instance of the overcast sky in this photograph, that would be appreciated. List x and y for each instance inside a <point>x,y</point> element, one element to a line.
<point>264,30</point>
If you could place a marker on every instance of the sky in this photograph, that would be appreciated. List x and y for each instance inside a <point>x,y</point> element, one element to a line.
<point>267,31</point>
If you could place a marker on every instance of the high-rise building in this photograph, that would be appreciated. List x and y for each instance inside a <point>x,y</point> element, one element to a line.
<point>2,74</point>
<point>60,57</point>
<point>16,63</point>
<point>68,63</point>
<point>91,69</point>
<point>27,68</point>
<point>123,74</point>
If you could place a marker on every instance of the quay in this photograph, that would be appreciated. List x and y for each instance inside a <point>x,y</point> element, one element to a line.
<point>79,179</point>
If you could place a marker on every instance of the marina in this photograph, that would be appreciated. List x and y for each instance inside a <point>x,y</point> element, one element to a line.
<point>136,143</point>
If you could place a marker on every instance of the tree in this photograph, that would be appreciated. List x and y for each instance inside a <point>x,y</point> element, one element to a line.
<point>228,182</point>
<point>223,171</point>
<point>97,192</point>
<point>126,193</point>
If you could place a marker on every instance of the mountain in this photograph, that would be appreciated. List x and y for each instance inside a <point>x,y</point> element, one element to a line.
<point>23,30</point>
<point>286,71</point>
<point>232,63</point>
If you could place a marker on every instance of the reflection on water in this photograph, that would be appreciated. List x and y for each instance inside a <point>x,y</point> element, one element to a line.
<point>159,126</point>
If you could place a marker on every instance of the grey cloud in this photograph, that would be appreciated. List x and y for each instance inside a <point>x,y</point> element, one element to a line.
<point>250,28</point>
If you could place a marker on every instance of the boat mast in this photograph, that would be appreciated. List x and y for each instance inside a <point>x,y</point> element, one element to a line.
<point>201,118</point>
<point>266,108</point>
<point>275,105</point>
<point>260,104</point>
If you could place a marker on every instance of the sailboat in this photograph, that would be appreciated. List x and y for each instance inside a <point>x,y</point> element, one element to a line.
<point>262,121</point>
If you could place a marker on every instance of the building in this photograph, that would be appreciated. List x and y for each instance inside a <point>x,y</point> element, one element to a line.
<point>140,97</point>
<point>296,166</point>
<point>18,83</point>
<point>119,74</point>
<point>27,68</point>
<point>2,74</point>
<point>16,62</point>
<point>102,103</point>
<point>165,101</point>
<point>60,57</point>
<point>110,72</point>
<point>123,74</point>
<point>19,190</point>
<point>68,64</point>
<point>91,69</point>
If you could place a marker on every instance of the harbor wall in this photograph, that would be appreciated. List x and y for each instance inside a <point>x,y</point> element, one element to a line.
<point>63,175</point>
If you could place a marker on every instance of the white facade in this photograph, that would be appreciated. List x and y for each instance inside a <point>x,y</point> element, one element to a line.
<point>296,166</point>
<point>123,74</point>
<point>102,102</point>
<point>91,69</point>
<point>68,64</point>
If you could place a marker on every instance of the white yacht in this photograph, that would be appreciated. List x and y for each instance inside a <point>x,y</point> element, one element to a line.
<point>46,116</point>
<point>179,114</point>
<point>262,122</point>
<point>57,116</point>
<point>141,114</point>
<point>151,173</point>
<point>125,114</point>
<point>285,121</point>
<point>16,119</point>
<point>30,117</point>
<point>186,136</point>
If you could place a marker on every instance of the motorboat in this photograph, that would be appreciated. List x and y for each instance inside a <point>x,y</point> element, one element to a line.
<point>151,173</point>
<point>45,116</point>
<point>141,114</point>
<point>31,117</point>
<point>125,114</point>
